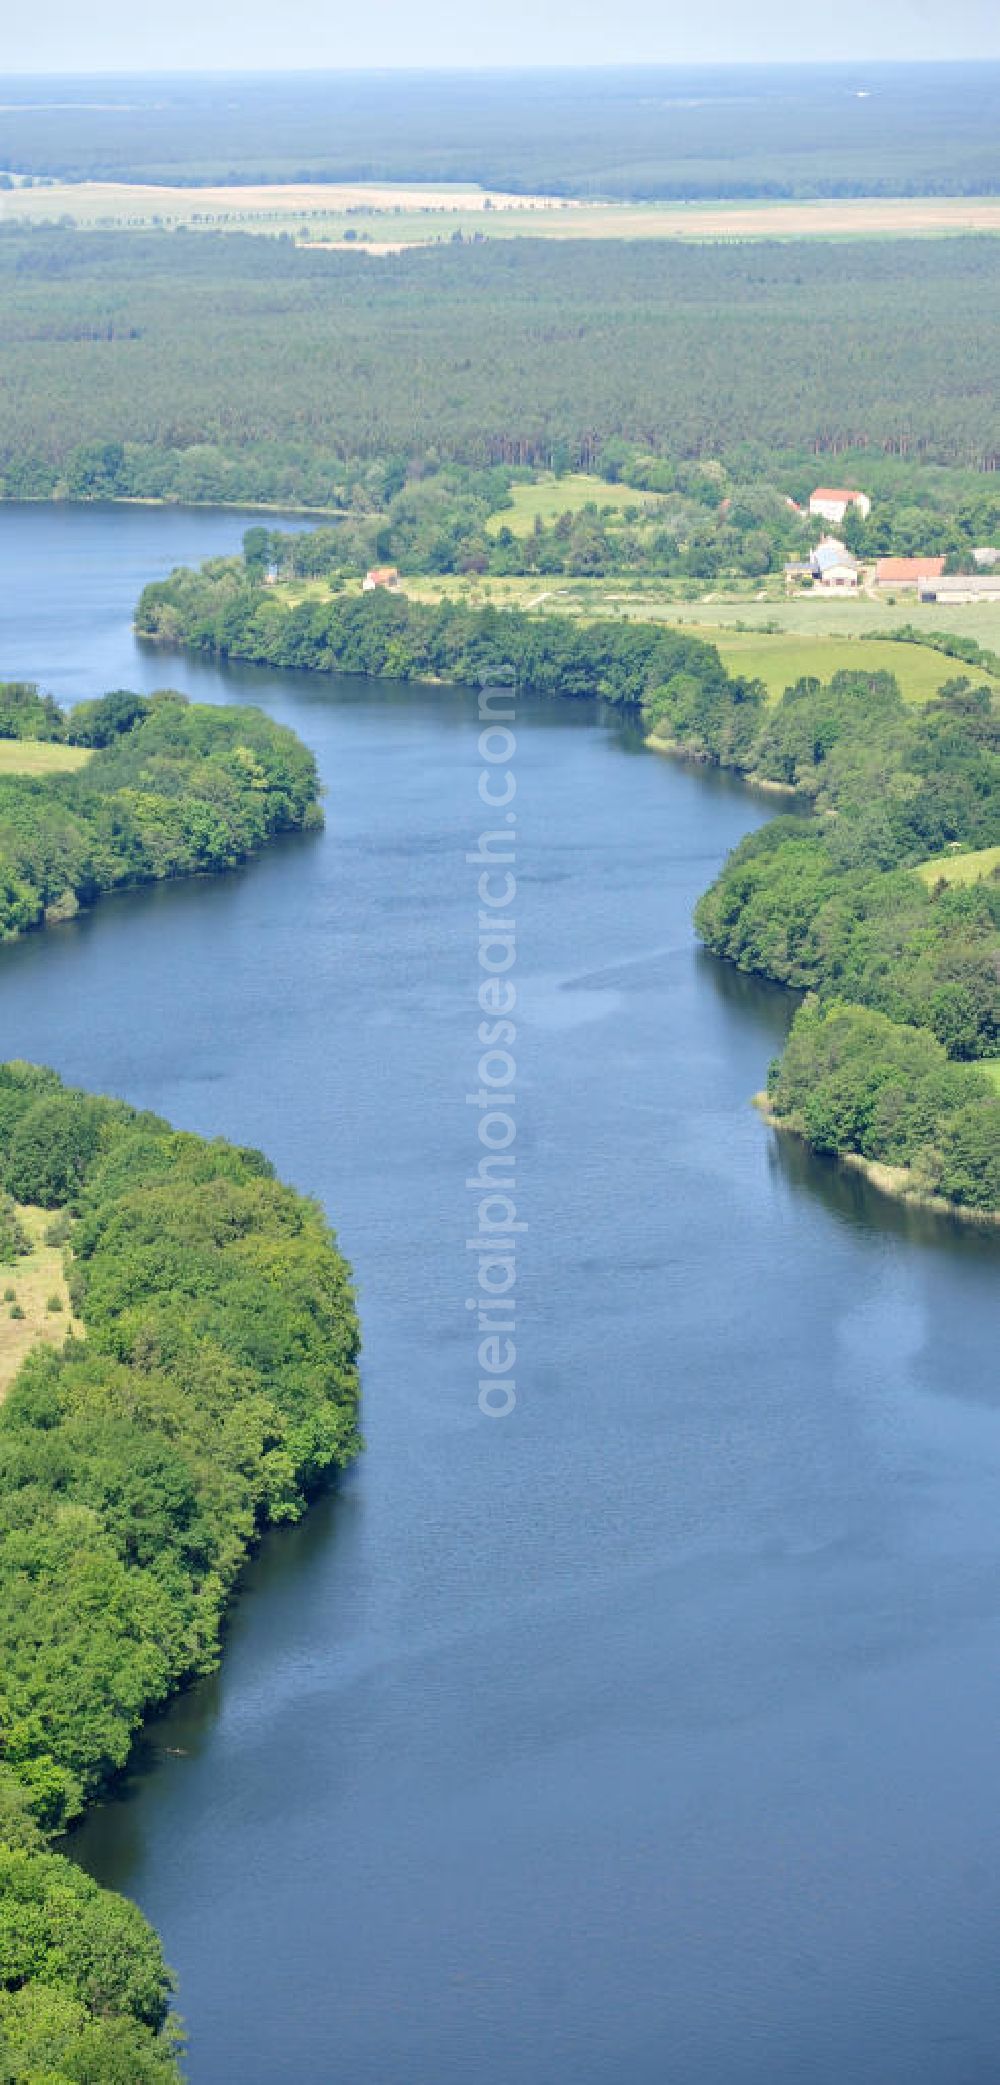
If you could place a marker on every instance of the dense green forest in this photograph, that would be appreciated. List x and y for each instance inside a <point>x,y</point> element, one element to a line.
<point>147,365</point>
<point>678,131</point>
<point>827,905</point>
<point>172,788</point>
<point>216,1385</point>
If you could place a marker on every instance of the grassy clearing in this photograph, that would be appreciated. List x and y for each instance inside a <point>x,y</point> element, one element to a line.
<point>960,868</point>
<point>551,496</point>
<point>779,661</point>
<point>992,1069</point>
<point>32,756</point>
<point>34,1277</point>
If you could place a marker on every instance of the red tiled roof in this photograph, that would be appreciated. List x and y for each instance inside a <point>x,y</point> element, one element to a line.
<point>834,492</point>
<point>909,568</point>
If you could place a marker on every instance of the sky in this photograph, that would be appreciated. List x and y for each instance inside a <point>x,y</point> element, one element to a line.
<point>125,36</point>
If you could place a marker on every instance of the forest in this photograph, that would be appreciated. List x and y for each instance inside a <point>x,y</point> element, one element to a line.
<point>172,788</point>
<point>677,131</point>
<point>826,905</point>
<point>215,1387</point>
<point>143,365</point>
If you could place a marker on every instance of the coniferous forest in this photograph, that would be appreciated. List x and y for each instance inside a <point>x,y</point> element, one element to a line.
<point>145,365</point>
<point>678,131</point>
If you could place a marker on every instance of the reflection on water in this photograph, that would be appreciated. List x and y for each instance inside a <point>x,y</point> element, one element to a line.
<point>852,1199</point>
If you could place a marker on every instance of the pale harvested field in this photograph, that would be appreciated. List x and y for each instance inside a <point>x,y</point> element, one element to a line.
<point>93,202</point>
<point>34,1277</point>
<point>425,214</point>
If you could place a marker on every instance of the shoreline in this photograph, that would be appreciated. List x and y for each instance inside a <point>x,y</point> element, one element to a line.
<point>675,749</point>
<point>895,1182</point>
<point>137,499</point>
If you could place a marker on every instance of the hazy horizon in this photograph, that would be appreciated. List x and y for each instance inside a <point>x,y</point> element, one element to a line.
<point>110,38</point>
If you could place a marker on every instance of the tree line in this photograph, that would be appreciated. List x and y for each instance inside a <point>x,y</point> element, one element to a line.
<point>216,1386</point>
<point>222,609</point>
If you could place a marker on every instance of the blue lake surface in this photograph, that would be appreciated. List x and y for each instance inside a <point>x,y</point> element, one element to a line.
<point>649,1734</point>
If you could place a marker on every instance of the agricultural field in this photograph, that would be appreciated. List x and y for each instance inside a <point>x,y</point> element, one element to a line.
<point>780,661</point>
<point>37,1279</point>
<point>760,609</point>
<point>29,756</point>
<point>960,868</point>
<point>383,218</point>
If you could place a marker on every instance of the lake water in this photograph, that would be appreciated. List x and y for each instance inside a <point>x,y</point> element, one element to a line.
<point>649,1734</point>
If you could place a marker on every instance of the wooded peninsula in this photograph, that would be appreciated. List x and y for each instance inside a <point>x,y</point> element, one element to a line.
<point>162,787</point>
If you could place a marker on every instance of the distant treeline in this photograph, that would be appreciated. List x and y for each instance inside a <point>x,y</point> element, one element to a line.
<point>215,1387</point>
<point>827,905</point>
<point>173,788</point>
<point>214,367</point>
<point>681,132</point>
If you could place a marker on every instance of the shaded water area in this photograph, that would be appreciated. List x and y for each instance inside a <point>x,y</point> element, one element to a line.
<point>650,1733</point>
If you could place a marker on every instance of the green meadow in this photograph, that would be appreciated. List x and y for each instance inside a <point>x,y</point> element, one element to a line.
<point>551,496</point>
<point>781,660</point>
<point>960,868</point>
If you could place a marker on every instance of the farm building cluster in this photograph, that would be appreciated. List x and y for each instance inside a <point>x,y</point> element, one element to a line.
<point>833,568</point>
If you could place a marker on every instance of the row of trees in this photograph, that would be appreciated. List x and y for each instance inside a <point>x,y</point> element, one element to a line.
<point>453,520</point>
<point>220,609</point>
<point>173,788</point>
<point>216,1386</point>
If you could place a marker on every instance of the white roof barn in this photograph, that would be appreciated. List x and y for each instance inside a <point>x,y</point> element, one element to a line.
<point>833,501</point>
